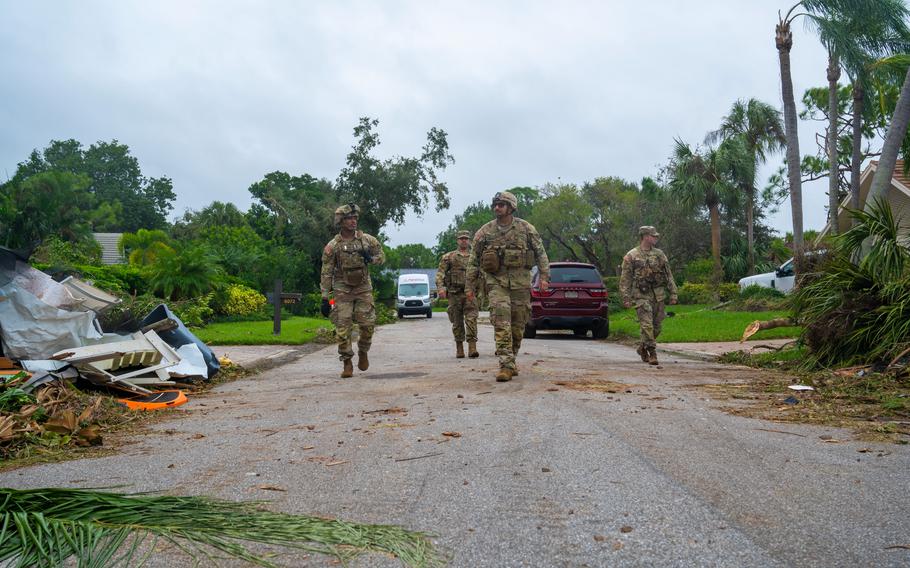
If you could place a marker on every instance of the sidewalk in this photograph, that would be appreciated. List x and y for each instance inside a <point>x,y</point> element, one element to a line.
<point>712,350</point>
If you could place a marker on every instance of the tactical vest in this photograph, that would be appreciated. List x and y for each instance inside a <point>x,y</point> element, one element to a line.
<point>510,249</point>
<point>349,261</point>
<point>648,272</point>
<point>456,272</point>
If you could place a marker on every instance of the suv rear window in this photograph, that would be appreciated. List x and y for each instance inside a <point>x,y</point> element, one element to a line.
<point>574,275</point>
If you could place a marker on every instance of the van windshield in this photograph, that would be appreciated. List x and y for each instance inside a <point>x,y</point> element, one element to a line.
<point>417,289</point>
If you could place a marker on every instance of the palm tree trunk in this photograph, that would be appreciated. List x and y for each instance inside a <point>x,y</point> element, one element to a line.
<point>718,275</point>
<point>896,132</point>
<point>784,41</point>
<point>833,165</point>
<point>750,228</point>
<point>856,160</point>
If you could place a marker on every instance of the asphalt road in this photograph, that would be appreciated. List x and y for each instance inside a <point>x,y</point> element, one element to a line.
<point>542,474</point>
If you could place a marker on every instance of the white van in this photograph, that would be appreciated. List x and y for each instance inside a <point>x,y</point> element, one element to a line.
<point>414,295</point>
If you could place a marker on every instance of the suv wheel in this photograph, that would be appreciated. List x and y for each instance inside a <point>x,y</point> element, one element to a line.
<point>530,332</point>
<point>601,331</point>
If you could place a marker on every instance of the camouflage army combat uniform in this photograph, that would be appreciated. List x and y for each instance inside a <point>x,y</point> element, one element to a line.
<point>451,277</point>
<point>506,255</point>
<point>646,279</point>
<point>346,275</point>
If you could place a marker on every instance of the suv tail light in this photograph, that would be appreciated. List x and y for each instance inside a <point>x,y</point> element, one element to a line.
<point>538,293</point>
<point>601,293</point>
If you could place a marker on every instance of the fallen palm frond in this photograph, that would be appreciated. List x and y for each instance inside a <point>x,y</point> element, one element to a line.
<point>45,527</point>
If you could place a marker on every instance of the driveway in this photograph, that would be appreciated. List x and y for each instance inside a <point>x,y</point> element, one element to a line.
<point>540,471</point>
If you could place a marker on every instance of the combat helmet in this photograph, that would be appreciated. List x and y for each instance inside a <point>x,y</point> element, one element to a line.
<point>346,210</point>
<point>505,197</point>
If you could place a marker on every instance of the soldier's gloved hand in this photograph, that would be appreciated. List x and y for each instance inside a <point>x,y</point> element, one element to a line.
<point>367,257</point>
<point>325,309</point>
<point>673,299</point>
<point>627,303</point>
<point>442,293</point>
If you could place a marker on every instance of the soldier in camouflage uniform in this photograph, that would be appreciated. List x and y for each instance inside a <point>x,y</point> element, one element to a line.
<point>346,276</point>
<point>450,281</point>
<point>505,249</point>
<point>645,281</point>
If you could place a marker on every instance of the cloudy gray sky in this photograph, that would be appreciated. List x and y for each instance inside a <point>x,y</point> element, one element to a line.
<point>215,94</point>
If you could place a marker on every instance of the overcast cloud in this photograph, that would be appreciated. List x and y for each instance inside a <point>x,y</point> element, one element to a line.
<point>216,94</point>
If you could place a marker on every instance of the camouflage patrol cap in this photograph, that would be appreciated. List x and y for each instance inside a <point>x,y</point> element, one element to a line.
<point>505,197</point>
<point>348,210</point>
<point>648,230</point>
<point>463,235</point>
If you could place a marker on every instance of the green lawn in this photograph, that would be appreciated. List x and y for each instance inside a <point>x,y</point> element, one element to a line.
<point>699,323</point>
<point>294,331</point>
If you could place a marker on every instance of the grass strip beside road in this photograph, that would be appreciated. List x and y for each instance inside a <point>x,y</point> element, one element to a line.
<point>294,331</point>
<point>700,323</point>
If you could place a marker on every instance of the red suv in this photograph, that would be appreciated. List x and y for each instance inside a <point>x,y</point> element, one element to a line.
<point>576,300</point>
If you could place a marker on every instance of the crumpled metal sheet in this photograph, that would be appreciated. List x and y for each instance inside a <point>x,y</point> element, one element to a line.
<point>33,329</point>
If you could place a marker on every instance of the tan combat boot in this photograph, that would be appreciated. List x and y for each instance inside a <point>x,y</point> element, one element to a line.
<point>459,350</point>
<point>642,352</point>
<point>348,369</point>
<point>472,350</point>
<point>363,362</point>
<point>652,356</point>
<point>504,375</point>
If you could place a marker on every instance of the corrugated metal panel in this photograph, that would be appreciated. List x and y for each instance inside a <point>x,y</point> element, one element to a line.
<point>109,252</point>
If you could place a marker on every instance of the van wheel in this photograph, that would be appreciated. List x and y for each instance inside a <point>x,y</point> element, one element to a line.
<point>530,332</point>
<point>400,315</point>
<point>601,331</point>
<point>429,313</point>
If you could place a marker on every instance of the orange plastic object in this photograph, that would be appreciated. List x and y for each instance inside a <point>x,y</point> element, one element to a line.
<point>155,401</point>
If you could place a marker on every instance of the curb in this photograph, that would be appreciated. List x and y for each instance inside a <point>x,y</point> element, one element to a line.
<point>697,355</point>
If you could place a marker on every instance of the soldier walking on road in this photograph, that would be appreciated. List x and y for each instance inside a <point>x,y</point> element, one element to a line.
<point>505,249</point>
<point>346,262</point>
<point>450,281</point>
<point>645,281</point>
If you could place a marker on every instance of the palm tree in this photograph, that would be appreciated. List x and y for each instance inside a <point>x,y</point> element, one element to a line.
<point>814,11</point>
<point>896,132</point>
<point>704,180</point>
<point>854,35</point>
<point>144,246</point>
<point>759,126</point>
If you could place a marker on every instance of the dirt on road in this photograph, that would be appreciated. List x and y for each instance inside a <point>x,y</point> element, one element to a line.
<point>587,458</point>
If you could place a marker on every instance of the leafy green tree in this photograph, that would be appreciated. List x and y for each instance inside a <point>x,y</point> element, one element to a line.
<point>46,204</point>
<point>411,256</point>
<point>216,214</point>
<point>471,219</point>
<point>145,246</point>
<point>563,219</point>
<point>758,127</point>
<point>387,189</point>
<point>241,252</point>
<point>137,202</point>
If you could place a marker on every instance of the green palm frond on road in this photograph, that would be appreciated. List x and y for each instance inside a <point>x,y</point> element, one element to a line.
<point>48,526</point>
